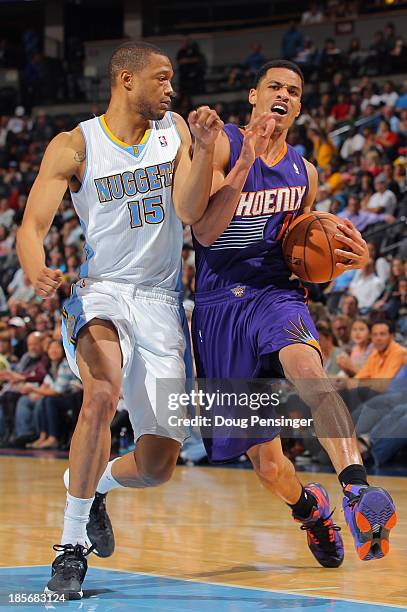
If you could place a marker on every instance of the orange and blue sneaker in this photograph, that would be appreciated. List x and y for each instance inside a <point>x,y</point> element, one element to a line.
<point>323,538</point>
<point>370,514</point>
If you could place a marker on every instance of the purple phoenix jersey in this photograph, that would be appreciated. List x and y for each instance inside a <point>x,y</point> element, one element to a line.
<point>246,307</point>
<point>249,250</point>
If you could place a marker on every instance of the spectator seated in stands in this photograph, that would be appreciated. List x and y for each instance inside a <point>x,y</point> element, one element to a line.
<point>361,219</point>
<point>361,348</point>
<point>349,306</point>
<point>312,15</point>
<point>330,352</point>
<point>354,142</point>
<point>381,422</point>
<point>255,60</point>
<point>396,308</point>
<point>337,288</point>
<point>292,42</point>
<point>386,140</point>
<point>385,360</point>
<point>367,287</point>
<point>341,326</point>
<point>31,369</point>
<point>191,68</point>
<point>396,272</point>
<point>402,99</point>
<point>40,409</point>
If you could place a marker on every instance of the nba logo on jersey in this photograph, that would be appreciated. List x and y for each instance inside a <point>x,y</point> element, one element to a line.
<point>296,168</point>
<point>163,141</point>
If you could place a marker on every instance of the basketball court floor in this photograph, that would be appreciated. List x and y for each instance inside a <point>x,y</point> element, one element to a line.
<point>210,540</point>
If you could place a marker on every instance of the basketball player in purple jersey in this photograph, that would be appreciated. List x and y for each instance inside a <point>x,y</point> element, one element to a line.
<point>251,321</point>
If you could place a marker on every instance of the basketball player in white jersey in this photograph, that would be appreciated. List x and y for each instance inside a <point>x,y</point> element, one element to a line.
<point>132,183</point>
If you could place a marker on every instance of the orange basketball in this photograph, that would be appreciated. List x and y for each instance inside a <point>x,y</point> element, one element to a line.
<point>309,247</point>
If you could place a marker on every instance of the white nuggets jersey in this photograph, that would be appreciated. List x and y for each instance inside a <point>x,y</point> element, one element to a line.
<point>125,206</point>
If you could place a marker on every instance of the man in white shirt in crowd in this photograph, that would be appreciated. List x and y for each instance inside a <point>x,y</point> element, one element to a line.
<point>353,143</point>
<point>367,287</point>
<point>383,200</point>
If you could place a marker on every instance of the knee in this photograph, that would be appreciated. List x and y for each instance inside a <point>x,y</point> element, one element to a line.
<point>100,403</point>
<point>158,473</point>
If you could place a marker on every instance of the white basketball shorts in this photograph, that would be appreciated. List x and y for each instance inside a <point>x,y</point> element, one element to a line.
<point>149,324</point>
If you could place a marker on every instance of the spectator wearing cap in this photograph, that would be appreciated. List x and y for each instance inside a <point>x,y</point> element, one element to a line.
<point>17,333</point>
<point>383,200</point>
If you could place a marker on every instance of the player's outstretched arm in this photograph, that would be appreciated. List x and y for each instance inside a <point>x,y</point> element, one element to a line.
<point>192,179</point>
<point>226,189</point>
<point>61,161</point>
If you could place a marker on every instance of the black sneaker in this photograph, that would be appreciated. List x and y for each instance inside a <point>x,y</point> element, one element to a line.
<point>69,570</point>
<point>99,527</point>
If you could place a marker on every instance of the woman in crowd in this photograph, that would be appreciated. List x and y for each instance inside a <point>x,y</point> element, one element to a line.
<point>361,348</point>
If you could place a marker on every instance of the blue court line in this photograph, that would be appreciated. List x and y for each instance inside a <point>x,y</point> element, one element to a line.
<point>108,590</point>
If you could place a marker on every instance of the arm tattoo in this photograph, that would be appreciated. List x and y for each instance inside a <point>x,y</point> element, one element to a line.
<point>79,156</point>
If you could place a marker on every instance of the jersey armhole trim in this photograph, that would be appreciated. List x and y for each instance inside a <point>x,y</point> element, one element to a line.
<point>86,162</point>
<point>174,124</point>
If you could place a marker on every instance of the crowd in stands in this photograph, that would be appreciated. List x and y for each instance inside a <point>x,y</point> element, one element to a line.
<point>386,54</point>
<point>357,138</point>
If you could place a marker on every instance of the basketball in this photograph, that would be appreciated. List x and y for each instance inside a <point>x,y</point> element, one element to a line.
<point>309,247</point>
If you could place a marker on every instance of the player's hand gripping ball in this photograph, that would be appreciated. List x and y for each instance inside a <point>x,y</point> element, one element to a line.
<point>319,246</point>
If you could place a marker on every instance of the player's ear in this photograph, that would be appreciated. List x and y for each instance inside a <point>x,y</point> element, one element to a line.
<point>253,97</point>
<point>299,110</point>
<point>126,78</point>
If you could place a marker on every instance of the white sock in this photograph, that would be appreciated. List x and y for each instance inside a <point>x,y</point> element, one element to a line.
<point>106,483</point>
<point>76,517</point>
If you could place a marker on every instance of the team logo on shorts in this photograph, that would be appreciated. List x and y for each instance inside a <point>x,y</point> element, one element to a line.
<point>163,141</point>
<point>238,291</point>
<point>300,333</point>
<point>70,325</point>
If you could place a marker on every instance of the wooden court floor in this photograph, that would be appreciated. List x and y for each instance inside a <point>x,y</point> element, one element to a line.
<point>215,525</point>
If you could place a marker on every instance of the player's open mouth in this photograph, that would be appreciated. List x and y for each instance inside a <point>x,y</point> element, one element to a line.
<point>279,108</point>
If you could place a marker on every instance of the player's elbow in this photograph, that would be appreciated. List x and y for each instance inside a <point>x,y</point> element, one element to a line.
<point>204,237</point>
<point>187,218</point>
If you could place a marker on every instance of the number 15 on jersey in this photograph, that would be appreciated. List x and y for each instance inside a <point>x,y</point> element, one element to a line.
<point>149,210</point>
